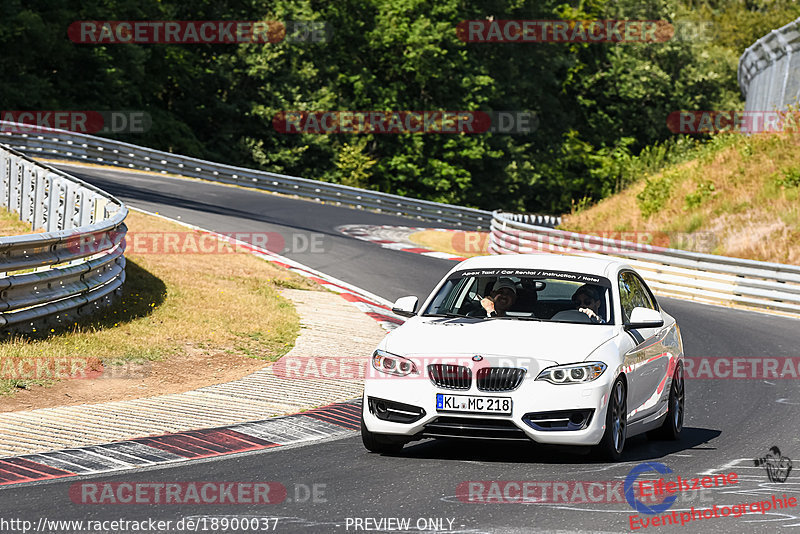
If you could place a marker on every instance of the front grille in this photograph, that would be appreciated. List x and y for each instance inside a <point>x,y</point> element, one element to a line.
<point>450,376</point>
<point>468,427</point>
<point>499,378</point>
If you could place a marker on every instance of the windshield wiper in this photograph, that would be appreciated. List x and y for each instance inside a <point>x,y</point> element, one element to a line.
<point>449,315</point>
<point>520,318</point>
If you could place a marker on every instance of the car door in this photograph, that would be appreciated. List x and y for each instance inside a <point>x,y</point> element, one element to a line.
<point>648,360</point>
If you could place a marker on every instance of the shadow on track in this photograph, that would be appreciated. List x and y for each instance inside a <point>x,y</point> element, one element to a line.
<point>637,449</point>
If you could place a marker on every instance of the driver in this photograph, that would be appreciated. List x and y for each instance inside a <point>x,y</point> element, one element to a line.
<point>587,299</point>
<point>502,297</point>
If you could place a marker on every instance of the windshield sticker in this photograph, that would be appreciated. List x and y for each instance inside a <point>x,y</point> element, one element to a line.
<point>536,273</point>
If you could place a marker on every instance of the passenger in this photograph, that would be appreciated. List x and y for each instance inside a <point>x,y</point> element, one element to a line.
<point>502,297</point>
<point>587,299</point>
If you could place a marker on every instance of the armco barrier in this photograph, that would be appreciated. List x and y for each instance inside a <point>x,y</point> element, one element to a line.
<point>61,144</point>
<point>670,272</point>
<point>76,263</point>
<point>769,70</point>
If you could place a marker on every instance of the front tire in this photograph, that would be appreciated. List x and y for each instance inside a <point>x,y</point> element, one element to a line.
<point>673,424</point>
<point>613,441</point>
<point>378,442</point>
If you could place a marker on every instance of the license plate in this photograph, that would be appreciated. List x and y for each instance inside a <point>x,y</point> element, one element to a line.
<point>472,403</point>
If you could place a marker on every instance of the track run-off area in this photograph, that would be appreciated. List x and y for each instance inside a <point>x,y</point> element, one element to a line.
<point>335,485</point>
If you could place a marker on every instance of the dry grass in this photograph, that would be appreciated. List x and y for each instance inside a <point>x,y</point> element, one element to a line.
<point>466,244</point>
<point>173,304</point>
<point>11,225</point>
<point>752,212</point>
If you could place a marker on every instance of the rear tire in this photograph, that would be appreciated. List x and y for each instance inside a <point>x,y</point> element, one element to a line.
<point>379,443</point>
<point>673,424</point>
<point>613,442</point>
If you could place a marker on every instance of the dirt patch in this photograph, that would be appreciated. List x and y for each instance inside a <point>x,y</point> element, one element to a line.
<point>192,369</point>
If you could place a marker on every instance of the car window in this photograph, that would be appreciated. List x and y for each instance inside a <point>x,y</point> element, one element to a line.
<point>542,295</point>
<point>633,294</point>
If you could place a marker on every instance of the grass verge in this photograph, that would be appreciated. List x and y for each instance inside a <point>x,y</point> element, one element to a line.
<point>173,305</point>
<point>466,244</point>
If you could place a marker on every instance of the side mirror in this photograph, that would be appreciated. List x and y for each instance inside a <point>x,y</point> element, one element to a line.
<point>644,318</point>
<point>405,306</point>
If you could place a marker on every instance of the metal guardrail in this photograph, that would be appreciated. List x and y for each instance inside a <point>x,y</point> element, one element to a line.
<point>48,142</point>
<point>769,70</point>
<point>75,264</point>
<point>671,272</point>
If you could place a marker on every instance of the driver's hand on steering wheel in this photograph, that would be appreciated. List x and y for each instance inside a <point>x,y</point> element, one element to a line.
<point>592,315</point>
<point>488,304</point>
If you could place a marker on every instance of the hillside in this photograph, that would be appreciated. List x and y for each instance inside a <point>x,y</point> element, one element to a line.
<point>740,197</point>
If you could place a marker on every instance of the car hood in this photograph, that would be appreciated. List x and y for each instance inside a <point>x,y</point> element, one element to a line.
<point>556,343</point>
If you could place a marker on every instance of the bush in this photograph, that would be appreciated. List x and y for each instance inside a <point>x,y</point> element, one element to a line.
<point>654,195</point>
<point>790,178</point>
<point>704,190</point>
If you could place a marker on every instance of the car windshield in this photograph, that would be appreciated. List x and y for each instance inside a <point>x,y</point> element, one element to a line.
<point>525,294</point>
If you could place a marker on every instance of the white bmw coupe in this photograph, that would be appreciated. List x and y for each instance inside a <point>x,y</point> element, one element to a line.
<point>554,349</point>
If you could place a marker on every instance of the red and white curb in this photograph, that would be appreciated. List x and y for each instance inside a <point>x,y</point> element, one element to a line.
<point>372,305</point>
<point>335,420</point>
<point>396,238</point>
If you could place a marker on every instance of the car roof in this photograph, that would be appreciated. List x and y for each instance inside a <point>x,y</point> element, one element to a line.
<point>595,265</point>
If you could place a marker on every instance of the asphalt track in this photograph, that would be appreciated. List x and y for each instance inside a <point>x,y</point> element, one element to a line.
<point>729,422</point>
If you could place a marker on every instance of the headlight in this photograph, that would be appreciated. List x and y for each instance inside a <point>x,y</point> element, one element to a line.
<point>393,364</point>
<point>572,373</point>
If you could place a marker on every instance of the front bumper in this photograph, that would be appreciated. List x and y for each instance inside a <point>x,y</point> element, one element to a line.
<point>538,411</point>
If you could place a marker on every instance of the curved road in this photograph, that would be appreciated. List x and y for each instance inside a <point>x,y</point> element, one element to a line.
<point>729,422</point>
